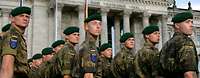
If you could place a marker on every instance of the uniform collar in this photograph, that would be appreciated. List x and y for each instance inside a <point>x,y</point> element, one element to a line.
<point>149,44</point>
<point>69,44</point>
<point>126,49</point>
<point>16,29</point>
<point>91,39</point>
<point>179,34</point>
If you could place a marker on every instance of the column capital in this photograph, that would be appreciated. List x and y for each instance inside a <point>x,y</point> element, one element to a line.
<point>146,14</point>
<point>127,11</point>
<point>165,16</point>
<point>105,10</point>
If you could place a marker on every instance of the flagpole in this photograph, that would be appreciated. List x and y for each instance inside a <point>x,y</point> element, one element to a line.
<point>86,9</point>
<point>56,20</point>
<point>21,2</point>
<point>85,13</point>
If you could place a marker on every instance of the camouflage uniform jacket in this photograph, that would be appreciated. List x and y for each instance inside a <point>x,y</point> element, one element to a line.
<point>61,64</point>
<point>104,68</point>
<point>14,44</point>
<point>88,56</point>
<point>66,59</point>
<point>122,65</point>
<point>148,60</point>
<point>178,56</point>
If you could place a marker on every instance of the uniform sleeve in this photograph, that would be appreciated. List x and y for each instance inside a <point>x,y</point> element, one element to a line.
<point>118,67</point>
<point>9,47</point>
<point>99,69</point>
<point>137,69</point>
<point>65,61</point>
<point>188,57</point>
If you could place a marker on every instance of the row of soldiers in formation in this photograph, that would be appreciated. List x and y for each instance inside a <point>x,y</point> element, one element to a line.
<point>177,58</point>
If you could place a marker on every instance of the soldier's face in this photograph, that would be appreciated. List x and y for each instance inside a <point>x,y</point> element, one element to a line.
<point>73,38</point>
<point>56,49</point>
<point>154,37</point>
<point>21,20</point>
<point>47,57</point>
<point>94,27</point>
<point>37,62</point>
<point>130,43</point>
<point>185,27</point>
<point>107,53</point>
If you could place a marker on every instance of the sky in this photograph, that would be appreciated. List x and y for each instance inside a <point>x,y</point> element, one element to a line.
<point>184,4</point>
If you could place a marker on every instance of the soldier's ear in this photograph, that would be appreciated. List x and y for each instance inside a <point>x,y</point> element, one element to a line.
<point>146,36</point>
<point>176,25</point>
<point>86,26</point>
<point>11,18</point>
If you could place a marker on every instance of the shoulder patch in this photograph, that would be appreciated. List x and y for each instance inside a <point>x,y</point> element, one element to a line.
<point>93,58</point>
<point>13,42</point>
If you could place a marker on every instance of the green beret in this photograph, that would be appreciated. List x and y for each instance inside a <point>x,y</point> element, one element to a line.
<point>57,43</point>
<point>47,51</point>
<point>20,10</point>
<point>6,27</point>
<point>180,17</point>
<point>105,46</point>
<point>71,30</point>
<point>150,29</point>
<point>37,56</point>
<point>125,36</point>
<point>93,17</point>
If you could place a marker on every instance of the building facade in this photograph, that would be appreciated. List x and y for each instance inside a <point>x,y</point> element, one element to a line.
<point>51,17</point>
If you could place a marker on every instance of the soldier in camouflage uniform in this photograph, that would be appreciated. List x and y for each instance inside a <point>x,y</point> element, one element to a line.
<point>147,57</point>
<point>44,69</point>
<point>123,63</point>
<point>104,67</point>
<point>64,61</point>
<point>47,54</point>
<point>14,49</point>
<point>88,51</point>
<point>67,56</point>
<point>36,63</point>
<point>178,55</point>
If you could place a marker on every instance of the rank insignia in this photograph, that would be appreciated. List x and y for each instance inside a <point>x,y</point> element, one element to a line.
<point>13,42</point>
<point>93,58</point>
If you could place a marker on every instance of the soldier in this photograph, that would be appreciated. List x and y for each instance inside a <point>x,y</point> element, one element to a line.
<point>105,61</point>
<point>88,51</point>
<point>14,49</point>
<point>124,60</point>
<point>66,57</point>
<point>148,56</point>
<point>178,55</point>
<point>47,53</point>
<point>57,45</point>
<point>63,62</point>
<point>36,63</point>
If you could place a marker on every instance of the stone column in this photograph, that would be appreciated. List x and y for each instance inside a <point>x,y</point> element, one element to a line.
<point>146,16</point>
<point>104,32</point>
<point>138,28</point>
<point>165,35</point>
<point>59,20</point>
<point>81,23</point>
<point>5,16</point>
<point>117,34</point>
<point>126,21</point>
<point>40,31</point>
